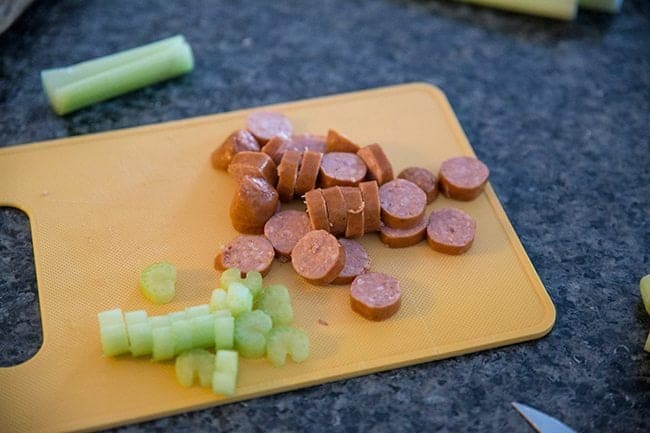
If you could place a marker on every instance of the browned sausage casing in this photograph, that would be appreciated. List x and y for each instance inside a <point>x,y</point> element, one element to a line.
<point>276,147</point>
<point>341,168</point>
<point>308,172</point>
<point>400,238</point>
<point>265,125</point>
<point>372,209</point>
<point>337,213</point>
<point>375,296</point>
<point>254,202</point>
<point>424,179</point>
<point>379,167</point>
<point>317,210</point>
<point>285,228</point>
<point>355,211</point>
<point>287,174</point>
<point>337,142</point>
<point>318,257</point>
<point>463,178</point>
<point>254,164</point>
<point>451,231</point>
<point>357,261</point>
<point>238,141</point>
<point>402,203</point>
<point>246,253</point>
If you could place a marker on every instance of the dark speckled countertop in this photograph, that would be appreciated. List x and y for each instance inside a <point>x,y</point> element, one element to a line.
<point>559,111</point>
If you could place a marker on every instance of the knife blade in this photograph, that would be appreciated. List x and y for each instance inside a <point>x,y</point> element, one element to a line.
<point>540,421</point>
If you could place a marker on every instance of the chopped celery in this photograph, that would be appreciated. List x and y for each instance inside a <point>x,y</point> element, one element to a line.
<point>644,287</point>
<point>86,83</point>
<point>159,321</point>
<point>158,282</point>
<point>276,302</point>
<point>283,341</point>
<point>229,276</point>
<point>253,281</point>
<point>226,367</point>
<point>112,331</point>
<point>163,343</point>
<point>224,331</point>
<point>203,331</point>
<point>185,369</point>
<point>561,9</point>
<point>218,300</point>
<point>197,310</point>
<point>139,331</point>
<point>239,299</point>
<point>611,6</point>
<point>250,333</point>
<point>182,332</point>
<point>193,363</point>
<point>175,316</point>
<point>132,317</point>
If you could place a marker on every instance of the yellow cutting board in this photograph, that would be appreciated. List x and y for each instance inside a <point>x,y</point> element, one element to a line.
<point>104,206</point>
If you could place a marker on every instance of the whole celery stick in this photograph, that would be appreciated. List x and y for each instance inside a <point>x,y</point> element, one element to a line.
<point>86,83</point>
<point>612,6</point>
<point>560,9</point>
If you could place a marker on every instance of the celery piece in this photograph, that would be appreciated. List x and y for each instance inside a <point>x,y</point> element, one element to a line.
<point>611,6</point>
<point>276,302</point>
<point>193,363</point>
<point>175,316</point>
<point>226,367</point>
<point>253,281</point>
<point>158,282</point>
<point>202,331</point>
<point>197,310</point>
<point>218,300</point>
<point>560,9</point>
<point>160,321</point>
<point>229,276</point>
<point>283,341</point>
<point>163,343</point>
<point>251,329</point>
<point>182,332</point>
<point>184,367</point>
<point>133,317</point>
<point>224,332</point>
<point>239,299</point>
<point>644,287</point>
<point>86,83</point>
<point>113,333</point>
<point>140,333</point>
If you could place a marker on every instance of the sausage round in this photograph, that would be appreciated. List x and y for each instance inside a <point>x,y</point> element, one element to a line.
<point>276,147</point>
<point>379,167</point>
<point>424,179</point>
<point>317,210</point>
<point>336,210</point>
<point>284,229</point>
<point>357,261</point>
<point>318,257</point>
<point>238,141</point>
<point>341,168</point>
<point>400,238</point>
<point>287,174</point>
<point>254,202</point>
<point>355,211</point>
<point>375,296</point>
<point>311,142</point>
<point>402,203</point>
<point>372,210</point>
<point>265,125</point>
<point>308,172</point>
<point>337,142</point>
<point>254,164</point>
<point>463,178</point>
<point>451,231</point>
<point>246,253</point>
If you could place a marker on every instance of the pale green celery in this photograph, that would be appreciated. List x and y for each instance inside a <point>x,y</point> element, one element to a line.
<point>560,9</point>
<point>86,83</point>
<point>612,6</point>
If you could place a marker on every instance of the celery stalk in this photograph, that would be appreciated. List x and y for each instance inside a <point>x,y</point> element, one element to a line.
<point>560,9</point>
<point>611,6</point>
<point>86,83</point>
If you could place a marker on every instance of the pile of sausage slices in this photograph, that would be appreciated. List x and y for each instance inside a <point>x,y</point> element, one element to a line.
<point>348,191</point>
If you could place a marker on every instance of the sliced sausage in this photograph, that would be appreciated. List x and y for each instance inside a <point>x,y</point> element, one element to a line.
<point>424,179</point>
<point>451,231</point>
<point>337,142</point>
<point>308,172</point>
<point>287,174</point>
<point>284,229</point>
<point>336,210</point>
<point>311,142</point>
<point>317,210</point>
<point>463,178</point>
<point>357,261</point>
<point>265,125</point>
<point>238,141</point>
<point>375,296</point>
<point>246,253</point>
<point>355,211</point>
<point>341,168</point>
<point>400,238</point>
<point>276,147</point>
<point>254,202</point>
<point>318,257</point>
<point>379,167</point>
<point>402,203</point>
<point>371,214</point>
<point>254,164</point>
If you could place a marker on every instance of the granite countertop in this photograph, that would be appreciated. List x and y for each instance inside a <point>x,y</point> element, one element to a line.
<point>559,111</point>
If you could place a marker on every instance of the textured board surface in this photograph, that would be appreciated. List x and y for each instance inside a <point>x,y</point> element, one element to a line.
<point>102,207</point>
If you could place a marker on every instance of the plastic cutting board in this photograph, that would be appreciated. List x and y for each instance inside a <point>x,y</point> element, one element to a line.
<point>104,206</point>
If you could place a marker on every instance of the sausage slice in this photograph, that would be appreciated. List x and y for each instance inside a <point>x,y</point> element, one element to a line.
<point>318,257</point>
<point>371,215</point>
<point>284,229</point>
<point>336,210</point>
<point>254,202</point>
<point>254,164</point>
<point>375,296</point>
<point>400,238</point>
<point>308,172</point>
<point>317,210</point>
<point>341,168</point>
<point>379,167</point>
<point>246,253</point>
<point>357,261</point>
<point>355,211</point>
<point>463,178</point>
<point>337,142</point>
<point>311,142</point>
<point>451,231</point>
<point>238,141</point>
<point>287,174</point>
<point>402,203</point>
<point>424,179</point>
<point>265,125</point>
<point>276,147</point>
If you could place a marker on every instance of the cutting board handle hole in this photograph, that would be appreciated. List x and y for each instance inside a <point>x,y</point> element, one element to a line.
<point>21,332</point>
